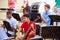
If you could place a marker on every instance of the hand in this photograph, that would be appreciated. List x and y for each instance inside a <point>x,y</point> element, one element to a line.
<point>38,17</point>
<point>12,28</point>
<point>32,32</point>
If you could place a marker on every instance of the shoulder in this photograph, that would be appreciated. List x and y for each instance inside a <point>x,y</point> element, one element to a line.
<point>43,14</point>
<point>6,19</point>
<point>32,23</point>
<point>49,13</point>
<point>23,23</point>
<point>13,19</point>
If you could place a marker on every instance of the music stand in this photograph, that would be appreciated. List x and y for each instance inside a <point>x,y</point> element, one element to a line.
<point>55,18</point>
<point>16,16</point>
<point>7,25</point>
<point>51,32</point>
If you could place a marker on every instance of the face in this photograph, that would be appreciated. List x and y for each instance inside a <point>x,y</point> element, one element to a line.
<point>9,16</point>
<point>24,19</point>
<point>46,9</point>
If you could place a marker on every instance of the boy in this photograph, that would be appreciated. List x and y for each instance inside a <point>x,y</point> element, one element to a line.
<point>13,23</point>
<point>45,16</point>
<point>26,25</point>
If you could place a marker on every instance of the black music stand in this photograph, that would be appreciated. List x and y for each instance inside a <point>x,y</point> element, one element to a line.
<point>55,18</point>
<point>51,32</point>
<point>16,16</point>
<point>7,25</point>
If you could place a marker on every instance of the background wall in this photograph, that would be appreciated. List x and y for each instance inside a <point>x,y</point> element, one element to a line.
<point>3,3</point>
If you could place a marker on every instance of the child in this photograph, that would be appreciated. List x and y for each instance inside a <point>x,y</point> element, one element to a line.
<point>26,25</point>
<point>45,16</point>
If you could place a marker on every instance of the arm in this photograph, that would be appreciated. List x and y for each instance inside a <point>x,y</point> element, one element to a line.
<point>38,17</point>
<point>33,27</point>
<point>45,20</point>
<point>20,28</point>
<point>14,24</point>
<point>18,33</point>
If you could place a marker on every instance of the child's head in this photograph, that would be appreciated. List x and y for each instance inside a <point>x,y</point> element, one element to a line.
<point>9,15</point>
<point>26,10</point>
<point>26,17</point>
<point>47,7</point>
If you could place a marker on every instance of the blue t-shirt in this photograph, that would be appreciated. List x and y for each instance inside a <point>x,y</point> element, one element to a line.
<point>46,16</point>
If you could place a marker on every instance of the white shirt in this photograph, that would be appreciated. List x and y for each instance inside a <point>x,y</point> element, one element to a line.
<point>13,22</point>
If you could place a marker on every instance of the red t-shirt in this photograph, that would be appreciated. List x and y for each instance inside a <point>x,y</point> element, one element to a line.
<point>26,26</point>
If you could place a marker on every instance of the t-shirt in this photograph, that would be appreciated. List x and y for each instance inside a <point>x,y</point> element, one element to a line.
<point>13,22</point>
<point>46,16</point>
<point>26,26</point>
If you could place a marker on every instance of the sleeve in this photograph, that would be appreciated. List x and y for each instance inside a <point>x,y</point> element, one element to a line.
<point>42,15</point>
<point>48,18</point>
<point>22,25</point>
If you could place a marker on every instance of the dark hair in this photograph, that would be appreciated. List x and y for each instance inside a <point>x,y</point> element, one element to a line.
<point>26,9</point>
<point>48,6</point>
<point>27,15</point>
<point>9,12</point>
